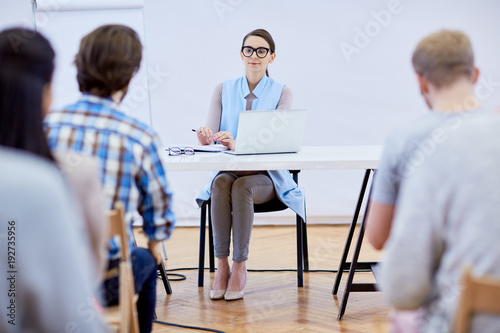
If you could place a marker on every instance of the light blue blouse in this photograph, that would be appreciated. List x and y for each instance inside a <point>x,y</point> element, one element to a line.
<point>268,93</point>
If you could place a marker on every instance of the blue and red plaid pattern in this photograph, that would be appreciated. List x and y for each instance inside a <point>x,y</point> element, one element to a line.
<point>130,167</point>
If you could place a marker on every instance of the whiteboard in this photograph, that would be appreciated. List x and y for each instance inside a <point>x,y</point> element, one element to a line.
<point>66,22</point>
<point>71,5</point>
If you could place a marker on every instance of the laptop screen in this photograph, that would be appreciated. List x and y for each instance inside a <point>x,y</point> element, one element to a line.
<point>270,131</point>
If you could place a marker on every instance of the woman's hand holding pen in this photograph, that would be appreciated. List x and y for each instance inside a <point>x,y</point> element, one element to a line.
<point>205,135</point>
<point>225,138</point>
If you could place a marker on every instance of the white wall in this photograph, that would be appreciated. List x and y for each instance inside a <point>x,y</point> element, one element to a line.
<point>193,45</point>
<point>349,102</point>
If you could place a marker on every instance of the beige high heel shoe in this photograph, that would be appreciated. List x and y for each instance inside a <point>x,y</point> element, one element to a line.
<point>216,294</point>
<point>235,295</point>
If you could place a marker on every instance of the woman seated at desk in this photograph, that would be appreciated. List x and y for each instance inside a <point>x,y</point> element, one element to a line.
<point>233,194</point>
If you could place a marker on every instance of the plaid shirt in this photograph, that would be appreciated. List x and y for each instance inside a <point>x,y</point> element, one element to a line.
<point>130,167</point>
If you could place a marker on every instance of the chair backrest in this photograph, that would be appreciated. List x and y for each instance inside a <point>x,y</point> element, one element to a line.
<point>127,321</point>
<point>116,219</point>
<point>479,295</point>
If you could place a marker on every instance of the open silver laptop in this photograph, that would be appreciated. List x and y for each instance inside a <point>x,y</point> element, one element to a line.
<point>266,132</point>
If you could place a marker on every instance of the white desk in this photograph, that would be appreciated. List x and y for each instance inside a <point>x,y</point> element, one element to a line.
<point>309,158</point>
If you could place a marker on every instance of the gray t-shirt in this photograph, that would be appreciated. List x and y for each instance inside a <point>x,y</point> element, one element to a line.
<point>408,147</point>
<point>447,218</point>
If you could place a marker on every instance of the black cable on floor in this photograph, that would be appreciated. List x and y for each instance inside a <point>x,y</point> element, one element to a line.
<point>189,327</point>
<point>180,277</point>
<point>266,270</point>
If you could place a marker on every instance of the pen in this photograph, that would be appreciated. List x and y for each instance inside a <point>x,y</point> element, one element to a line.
<point>198,132</point>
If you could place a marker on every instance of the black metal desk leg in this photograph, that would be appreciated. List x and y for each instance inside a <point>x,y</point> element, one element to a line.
<point>348,241</point>
<point>201,259</point>
<point>354,262</point>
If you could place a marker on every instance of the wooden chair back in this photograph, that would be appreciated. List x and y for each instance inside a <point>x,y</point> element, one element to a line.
<point>123,318</point>
<point>479,295</point>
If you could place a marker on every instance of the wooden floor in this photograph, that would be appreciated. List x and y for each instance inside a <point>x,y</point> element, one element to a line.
<point>272,302</point>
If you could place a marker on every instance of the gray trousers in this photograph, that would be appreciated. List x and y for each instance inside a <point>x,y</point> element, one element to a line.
<point>232,199</point>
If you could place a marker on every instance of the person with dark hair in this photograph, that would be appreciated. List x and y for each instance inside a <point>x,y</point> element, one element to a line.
<point>26,95</point>
<point>48,288</point>
<point>233,194</point>
<point>131,170</point>
<point>27,61</point>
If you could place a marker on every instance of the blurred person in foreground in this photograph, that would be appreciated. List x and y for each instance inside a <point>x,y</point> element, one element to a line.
<point>447,219</point>
<point>446,74</point>
<point>50,255</point>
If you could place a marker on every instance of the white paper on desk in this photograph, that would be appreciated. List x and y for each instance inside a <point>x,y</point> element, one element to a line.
<point>210,148</point>
<point>206,148</point>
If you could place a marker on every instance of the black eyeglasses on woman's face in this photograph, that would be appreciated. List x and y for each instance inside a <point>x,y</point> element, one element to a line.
<point>260,51</point>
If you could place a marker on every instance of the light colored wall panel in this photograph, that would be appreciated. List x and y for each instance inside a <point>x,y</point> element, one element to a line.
<point>352,99</point>
<point>348,63</point>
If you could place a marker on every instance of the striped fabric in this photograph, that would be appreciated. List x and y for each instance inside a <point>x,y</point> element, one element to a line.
<point>130,167</point>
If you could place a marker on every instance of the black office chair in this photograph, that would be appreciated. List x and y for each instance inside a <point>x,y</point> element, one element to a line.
<point>270,206</point>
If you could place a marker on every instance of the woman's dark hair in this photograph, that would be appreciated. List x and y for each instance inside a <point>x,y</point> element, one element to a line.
<point>26,67</point>
<point>108,58</point>
<point>264,34</point>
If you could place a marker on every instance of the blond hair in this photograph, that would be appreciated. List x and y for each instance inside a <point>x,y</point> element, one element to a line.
<point>443,57</point>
